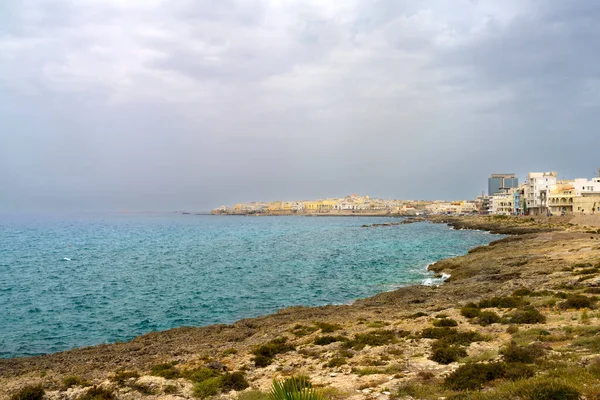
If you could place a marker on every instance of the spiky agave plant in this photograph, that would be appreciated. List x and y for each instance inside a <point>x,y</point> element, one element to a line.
<point>294,388</point>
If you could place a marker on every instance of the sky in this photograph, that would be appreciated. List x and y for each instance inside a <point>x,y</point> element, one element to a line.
<point>158,105</point>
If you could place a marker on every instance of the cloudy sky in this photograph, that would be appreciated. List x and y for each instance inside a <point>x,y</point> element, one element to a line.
<point>181,104</point>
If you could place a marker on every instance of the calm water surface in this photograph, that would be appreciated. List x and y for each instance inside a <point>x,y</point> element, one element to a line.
<point>74,281</point>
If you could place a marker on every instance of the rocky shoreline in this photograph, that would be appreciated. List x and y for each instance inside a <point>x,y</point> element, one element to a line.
<point>384,346</point>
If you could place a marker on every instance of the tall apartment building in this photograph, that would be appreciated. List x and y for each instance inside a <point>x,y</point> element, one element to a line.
<point>499,183</point>
<point>537,190</point>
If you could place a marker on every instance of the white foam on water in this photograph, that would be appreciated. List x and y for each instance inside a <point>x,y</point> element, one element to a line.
<point>435,281</point>
<point>66,259</point>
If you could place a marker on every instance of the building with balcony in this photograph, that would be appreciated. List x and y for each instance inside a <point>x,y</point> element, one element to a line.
<point>537,190</point>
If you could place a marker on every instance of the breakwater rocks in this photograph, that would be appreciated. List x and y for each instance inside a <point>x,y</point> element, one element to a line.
<point>403,222</point>
<point>524,310</point>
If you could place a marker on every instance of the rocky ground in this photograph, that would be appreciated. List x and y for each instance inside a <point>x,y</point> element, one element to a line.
<point>516,319</point>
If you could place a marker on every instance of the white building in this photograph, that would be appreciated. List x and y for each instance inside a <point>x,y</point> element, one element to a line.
<point>537,189</point>
<point>582,185</point>
<point>502,203</point>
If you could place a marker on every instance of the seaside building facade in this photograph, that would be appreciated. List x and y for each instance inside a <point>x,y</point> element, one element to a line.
<point>543,194</point>
<point>537,189</point>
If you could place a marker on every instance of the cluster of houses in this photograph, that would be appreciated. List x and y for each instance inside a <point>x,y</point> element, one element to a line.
<point>541,194</point>
<point>353,204</point>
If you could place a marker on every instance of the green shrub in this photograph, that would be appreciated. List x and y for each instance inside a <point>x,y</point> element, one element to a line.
<point>378,324</point>
<point>121,376</point>
<point>522,292</point>
<point>264,354</point>
<point>229,352</point>
<point>96,393</point>
<point>445,322</point>
<point>452,335</point>
<point>169,389</point>
<point>521,354</point>
<point>445,354</point>
<point>512,329</point>
<point>373,338</point>
<point>252,395</point>
<point>207,388</point>
<point>336,362</point>
<point>501,302</point>
<point>582,265</point>
<point>526,315</point>
<point>71,381</point>
<point>587,271</point>
<point>262,361</point>
<point>487,318</point>
<point>594,367</point>
<point>297,382</point>
<point>549,390</point>
<point>517,371</point>
<point>234,381</point>
<point>200,374</point>
<point>295,388</point>
<point>474,376</point>
<point>31,392</point>
<point>593,290</point>
<point>469,312</point>
<point>166,370</point>
<point>417,390</point>
<point>303,330</point>
<point>326,327</point>
<point>591,343</point>
<point>417,315</point>
<point>325,340</point>
<point>577,301</point>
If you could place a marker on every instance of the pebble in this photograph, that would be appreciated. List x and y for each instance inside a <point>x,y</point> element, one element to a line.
<point>333,375</point>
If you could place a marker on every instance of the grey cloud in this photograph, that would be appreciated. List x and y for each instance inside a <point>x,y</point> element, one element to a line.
<point>170,105</point>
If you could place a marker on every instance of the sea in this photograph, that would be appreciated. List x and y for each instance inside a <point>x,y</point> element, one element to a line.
<point>77,280</point>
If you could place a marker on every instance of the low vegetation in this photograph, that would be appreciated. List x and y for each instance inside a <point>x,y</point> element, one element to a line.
<point>326,327</point>
<point>443,353</point>
<point>474,375</point>
<point>373,338</point>
<point>325,340</point>
<point>294,388</point>
<point>166,370</point>
<point>452,335</point>
<point>71,381</point>
<point>444,322</point>
<point>31,392</point>
<point>264,355</point>
<point>486,318</point>
<point>470,311</point>
<point>502,302</point>
<point>526,315</point>
<point>522,354</point>
<point>577,301</point>
<point>210,382</point>
<point>98,393</point>
<point>121,376</point>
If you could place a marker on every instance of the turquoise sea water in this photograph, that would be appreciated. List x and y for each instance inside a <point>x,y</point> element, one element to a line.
<point>74,281</point>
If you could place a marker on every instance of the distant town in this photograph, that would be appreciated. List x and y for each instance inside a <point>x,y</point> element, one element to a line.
<point>542,193</point>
